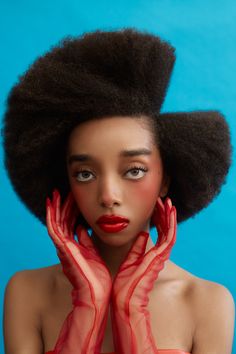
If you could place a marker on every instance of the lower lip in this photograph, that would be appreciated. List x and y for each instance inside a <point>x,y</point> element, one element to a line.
<point>113,227</point>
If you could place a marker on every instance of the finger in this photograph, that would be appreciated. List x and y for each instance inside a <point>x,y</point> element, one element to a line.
<point>138,248</point>
<point>49,217</point>
<point>173,226</point>
<point>70,226</point>
<point>168,200</point>
<point>62,220</point>
<point>162,250</point>
<point>68,215</point>
<point>170,215</point>
<point>160,221</point>
<point>165,221</point>
<point>55,216</point>
<point>56,201</point>
<point>67,206</point>
<point>160,204</point>
<point>166,247</point>
<point>58,233</point>
<point>85,240</point>
<point>163,225</point>
<point>168,206</point>
<point>53,206</point>
<point>58,209</point>
<point>72,214</point>
<point>158,211</point>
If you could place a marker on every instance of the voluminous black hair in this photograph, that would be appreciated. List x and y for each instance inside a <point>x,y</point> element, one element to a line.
<point>101,74</point>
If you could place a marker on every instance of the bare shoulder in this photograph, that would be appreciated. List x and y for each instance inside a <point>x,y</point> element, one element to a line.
<point>34,285</point>
<point>201,292</point>
<point>39,284</point>
<point>33,282</point>
<point>25,295</point>
<point>206,291</point>
<point>214,311</point>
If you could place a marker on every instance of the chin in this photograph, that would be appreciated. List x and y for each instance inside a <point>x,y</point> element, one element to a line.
<point>116,238</point>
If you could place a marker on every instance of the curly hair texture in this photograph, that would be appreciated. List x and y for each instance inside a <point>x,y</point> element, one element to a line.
<point>101,74</point>
<point>196,152</point>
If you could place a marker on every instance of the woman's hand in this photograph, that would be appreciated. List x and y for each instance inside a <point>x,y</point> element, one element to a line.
<point>139,270</point>
<point>134,281</point>
<point>84,328</point>
<point>81,262</point>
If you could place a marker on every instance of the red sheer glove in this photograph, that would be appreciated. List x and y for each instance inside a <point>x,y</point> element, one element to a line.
<point>84,327</point>
<point>135,279</point>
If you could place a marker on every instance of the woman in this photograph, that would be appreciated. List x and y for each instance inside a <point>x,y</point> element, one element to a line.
<point>75,122</point>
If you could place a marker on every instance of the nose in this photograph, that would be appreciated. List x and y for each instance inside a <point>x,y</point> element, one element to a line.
<point>109,192</point>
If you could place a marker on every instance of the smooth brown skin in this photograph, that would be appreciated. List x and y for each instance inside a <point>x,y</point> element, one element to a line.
<point>187,312</point>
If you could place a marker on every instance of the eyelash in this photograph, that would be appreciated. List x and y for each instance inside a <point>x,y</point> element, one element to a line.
<point>130,169</point>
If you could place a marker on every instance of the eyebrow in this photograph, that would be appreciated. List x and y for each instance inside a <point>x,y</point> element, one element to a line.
<point>123,153</point>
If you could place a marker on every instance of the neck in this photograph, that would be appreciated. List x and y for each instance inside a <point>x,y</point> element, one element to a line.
<point>113,256</point>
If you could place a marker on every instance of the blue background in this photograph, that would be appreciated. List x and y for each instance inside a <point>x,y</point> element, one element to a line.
<point>204,34</point>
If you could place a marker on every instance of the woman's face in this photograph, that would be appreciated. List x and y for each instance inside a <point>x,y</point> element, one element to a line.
<point>112,180</point>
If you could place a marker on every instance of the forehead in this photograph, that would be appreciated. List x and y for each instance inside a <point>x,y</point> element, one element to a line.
<point>111,131</point>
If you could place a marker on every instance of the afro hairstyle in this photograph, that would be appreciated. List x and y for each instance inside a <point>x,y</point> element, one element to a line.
<point>101,74</point>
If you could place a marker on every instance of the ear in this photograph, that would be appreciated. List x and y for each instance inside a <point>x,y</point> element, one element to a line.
<point>165,186</point>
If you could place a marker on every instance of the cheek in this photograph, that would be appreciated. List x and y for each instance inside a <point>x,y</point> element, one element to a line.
<point>148,189</point>
<point>145,195</point>
<point>83,200</point>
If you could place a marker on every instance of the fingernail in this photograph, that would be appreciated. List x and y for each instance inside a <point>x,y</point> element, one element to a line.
<point>55,193</point>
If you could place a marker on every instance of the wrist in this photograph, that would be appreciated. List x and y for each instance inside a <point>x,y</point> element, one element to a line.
<point>131,328</point>
<point>88,319</point>
<point>89,300</point>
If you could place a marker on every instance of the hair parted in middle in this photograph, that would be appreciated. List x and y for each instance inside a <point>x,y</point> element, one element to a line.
<point>106,74</point>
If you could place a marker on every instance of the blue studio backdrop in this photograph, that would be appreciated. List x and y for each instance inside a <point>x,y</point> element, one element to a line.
<point>204,35</point>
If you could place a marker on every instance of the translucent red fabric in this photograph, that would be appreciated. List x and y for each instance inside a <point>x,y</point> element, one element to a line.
<point>84,328</point>
<point>161,351</point>
<point>130,317</point>
<point>85,325</point>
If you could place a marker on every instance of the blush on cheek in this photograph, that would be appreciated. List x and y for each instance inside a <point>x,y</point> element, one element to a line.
<point>145,194</point>
<point>147,190</point>
<point>81,199</point>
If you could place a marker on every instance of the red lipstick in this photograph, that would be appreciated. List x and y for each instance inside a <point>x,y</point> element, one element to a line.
<point>112,223</point>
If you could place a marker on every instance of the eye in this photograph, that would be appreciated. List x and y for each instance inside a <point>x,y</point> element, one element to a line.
<point>84,174</point>
<point>137,169</point>
<point>134,172</point>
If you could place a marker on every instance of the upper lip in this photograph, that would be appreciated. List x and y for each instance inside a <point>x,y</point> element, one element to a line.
<point>111,219</point>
